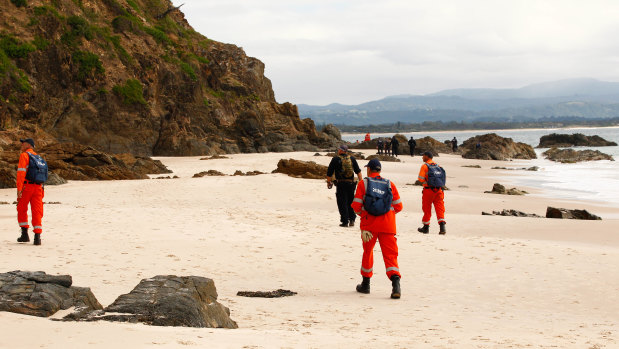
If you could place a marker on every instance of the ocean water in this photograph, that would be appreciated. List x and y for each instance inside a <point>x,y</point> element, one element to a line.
<point>593,181</point>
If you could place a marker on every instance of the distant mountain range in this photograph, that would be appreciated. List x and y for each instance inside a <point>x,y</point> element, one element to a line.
<point>587,98</point>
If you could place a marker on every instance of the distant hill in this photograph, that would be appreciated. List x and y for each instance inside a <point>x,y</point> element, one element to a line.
<point>588,98</point>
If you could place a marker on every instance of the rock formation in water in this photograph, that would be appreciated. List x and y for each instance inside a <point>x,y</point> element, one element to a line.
<point>495,147</point>
<point>577,139</point>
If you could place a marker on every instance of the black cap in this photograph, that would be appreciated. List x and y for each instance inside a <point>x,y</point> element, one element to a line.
<point>428,154</point>
<point>343,147</point>
<point>374,165</point>
<point>28,140</point>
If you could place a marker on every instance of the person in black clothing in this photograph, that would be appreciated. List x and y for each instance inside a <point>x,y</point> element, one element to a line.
<point>394,146</point>
<point>344,167</point>
<point>412,143</point>
<point>380,145</point>
<point>454,144</point>
<point>388,146</point>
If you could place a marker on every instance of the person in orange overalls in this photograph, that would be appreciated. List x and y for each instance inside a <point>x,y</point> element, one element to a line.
<point>367,137</point>
<point>431,196</point>
<point>28,193</point>
<point>381,228</point>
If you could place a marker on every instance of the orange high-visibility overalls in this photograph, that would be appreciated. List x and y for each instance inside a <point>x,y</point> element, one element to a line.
<point>431,196</point>
<point>31,194</point>
<point>382,228</point>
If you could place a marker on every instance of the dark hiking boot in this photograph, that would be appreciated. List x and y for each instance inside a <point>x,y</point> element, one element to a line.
<point>364,286</point>
<point>24,236</point>
<point>37,239</point>
<point>345,224</point>
<point>425,229</point>
<point>442,230</point>
<point>351,223</point>
<point>395,283</point>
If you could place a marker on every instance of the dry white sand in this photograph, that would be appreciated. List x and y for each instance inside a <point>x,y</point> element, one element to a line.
<point>491,282</point>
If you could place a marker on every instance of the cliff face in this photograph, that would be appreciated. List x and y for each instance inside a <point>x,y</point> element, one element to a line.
<point>118,76</point>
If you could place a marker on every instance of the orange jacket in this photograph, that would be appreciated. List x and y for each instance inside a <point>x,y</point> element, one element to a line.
<point>367,137</point>
<point>377,224</point>
<point>22,168</point>
<point>423,173</point>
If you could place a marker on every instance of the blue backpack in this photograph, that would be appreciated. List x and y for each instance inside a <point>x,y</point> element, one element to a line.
<point>437,178</point>
<point>378,196</point>
<point>37,169</point>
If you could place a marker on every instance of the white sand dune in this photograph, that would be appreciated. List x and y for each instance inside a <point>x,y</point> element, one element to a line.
<point>491,282</point>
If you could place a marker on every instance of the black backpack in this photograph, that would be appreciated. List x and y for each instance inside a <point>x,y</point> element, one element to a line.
<point>378,196</point>
<point>437,178</point>
<point>37,169</point>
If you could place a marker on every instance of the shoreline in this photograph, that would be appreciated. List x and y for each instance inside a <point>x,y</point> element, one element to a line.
<point>472,287</point>
<point>491,130</point>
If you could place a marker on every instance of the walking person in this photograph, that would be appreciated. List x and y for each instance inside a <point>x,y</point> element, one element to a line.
<point>395,144</point>
<point>412,143</point>
<point>31,174</point>
<point>454,144</point>
<point>377,201</point>
<point>388,146</point>
<point>380,145</point>
<point>344,167</point>
<point>432,177</point>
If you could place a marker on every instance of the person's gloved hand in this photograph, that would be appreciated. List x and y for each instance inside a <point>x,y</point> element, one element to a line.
<point>366,236</point>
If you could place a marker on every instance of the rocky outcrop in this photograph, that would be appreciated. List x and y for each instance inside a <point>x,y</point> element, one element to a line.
<point>115,76</point>
<point>70,161</point>
<point>511,213</point>
<point>40,294</point>
<point>428,144</point>
<point>382,157</point>
<point>500,189</point>
<point>495,147</point>
<point>208,173</point>
<point>563,213</point>
<point>572,156</point>
<point>168,300</point>
<point>569,140</point>
<point>301,169</point>
<point>532,168</point>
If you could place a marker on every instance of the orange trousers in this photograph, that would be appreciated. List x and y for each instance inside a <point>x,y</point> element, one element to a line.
<point>389,247</point>
<point>429,198</point>
<point>31,194</point>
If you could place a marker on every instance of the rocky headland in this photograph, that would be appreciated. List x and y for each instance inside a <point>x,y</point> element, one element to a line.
<point>126,76</point>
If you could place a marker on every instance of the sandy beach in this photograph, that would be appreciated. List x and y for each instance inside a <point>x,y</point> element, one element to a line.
<point>491,282</point>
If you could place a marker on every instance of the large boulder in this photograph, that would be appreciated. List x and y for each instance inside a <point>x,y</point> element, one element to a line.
<point>428,144</point>
<point>569,140</point>
<point>572,156</point>
<point>495,147</point>
<point>498,188</point>
<point>40,294</point>
<point>169,300</point>
<point>301,169</point>
<point>563,213</point>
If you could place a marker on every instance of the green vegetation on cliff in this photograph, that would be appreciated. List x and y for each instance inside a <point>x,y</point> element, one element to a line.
<point>131,92</point>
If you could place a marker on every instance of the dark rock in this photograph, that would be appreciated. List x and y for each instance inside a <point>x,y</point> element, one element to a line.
<point>54,179</point>
<point>428,144</point>
<point>572,156</point>
<point>569,140</point>
<point>168,300</point>
<point>208,173</point>
<point>472,166</point>
<point>383,158</point>
<point>215,157</point>
<point>40,294</point>
<point>317,154</point>
<point>511,213</point>
<point>532,168</point>
<point>166,177</point>
<point>248,173</point>
<point>494,147</point>
<point>301,169</point>
<point>266,294</point>
<point>500,189</point>
<point>564,213</point>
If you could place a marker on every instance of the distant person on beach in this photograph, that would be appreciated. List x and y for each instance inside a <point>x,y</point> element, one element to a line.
<point>344,167</point>
<point>432,177</point>
<point>377,201</point>
<point>380,145</point>
<point>478,145</point>
<point>31,174</point>
<point>394,146</point>
<point>454,144</point>
<point>388,146</point>
<point>367,137</point>
<point>412,143</point>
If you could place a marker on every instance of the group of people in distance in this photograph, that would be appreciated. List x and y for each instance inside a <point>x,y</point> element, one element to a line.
<point>376,200</point>
<point>388,146</point>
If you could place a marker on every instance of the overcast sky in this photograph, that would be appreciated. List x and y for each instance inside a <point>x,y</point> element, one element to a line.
<point>320,52</point>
